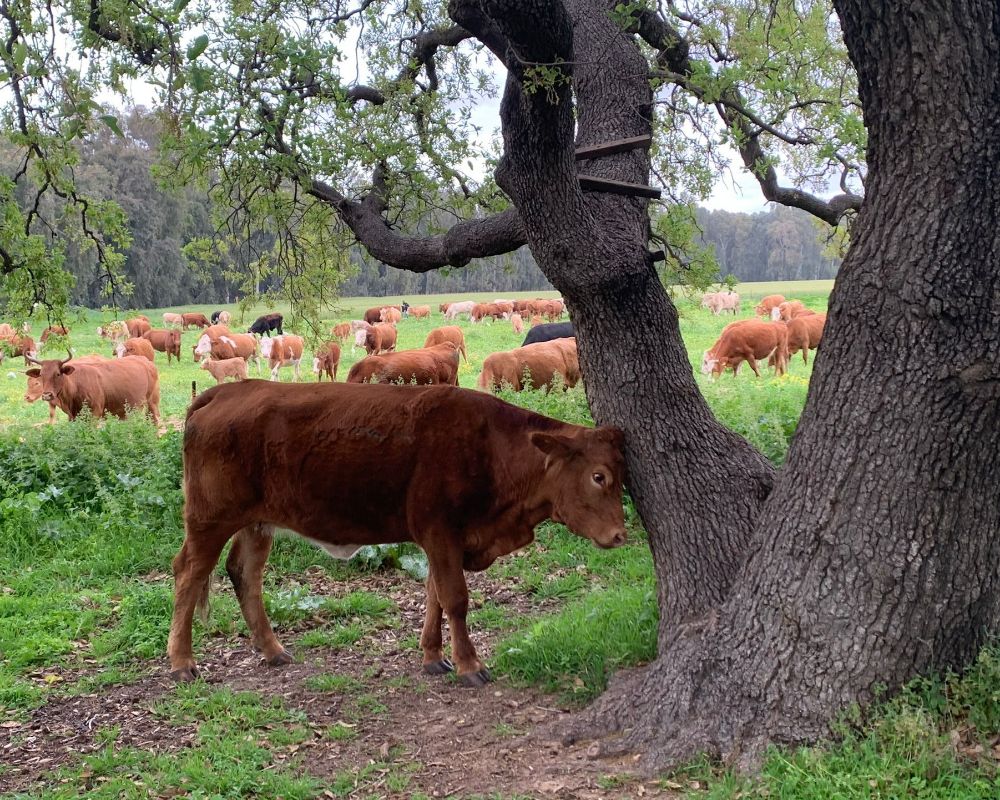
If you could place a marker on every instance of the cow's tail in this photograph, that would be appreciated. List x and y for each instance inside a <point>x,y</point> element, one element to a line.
<point>202,606</point>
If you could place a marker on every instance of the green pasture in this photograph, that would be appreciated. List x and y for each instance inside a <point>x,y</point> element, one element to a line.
<point>90,519</point>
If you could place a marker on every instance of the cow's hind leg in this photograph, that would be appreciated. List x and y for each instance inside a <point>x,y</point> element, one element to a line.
<point>193,567</point>
<point>453,595</point>
<point>430,638</point>
<point>245,567</point>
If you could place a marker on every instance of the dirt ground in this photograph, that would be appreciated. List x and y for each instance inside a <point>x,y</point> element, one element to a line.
<point>459,741</point>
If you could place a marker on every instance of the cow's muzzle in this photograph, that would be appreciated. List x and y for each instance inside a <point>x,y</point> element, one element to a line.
<point>48,396</point>
<point>613,539</point>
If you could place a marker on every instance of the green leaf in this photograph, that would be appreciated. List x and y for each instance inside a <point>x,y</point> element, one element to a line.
<point>112,122</point>
<point>180,5</point>
<point>197,47</point>
<point>200,79</point>
<point>20,53</point>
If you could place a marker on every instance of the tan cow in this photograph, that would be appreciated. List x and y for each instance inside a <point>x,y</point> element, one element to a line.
<point>327,360</point>
<point>116,330</point>
<point>447,333</point>
<point>768,304</point>
<point>136,346</point>
<point>172,320</point>
<point>805,333</point>
<point>228,368</point>
<point>534,365</point>
<point>52,330</point>
<point>283,351</point>
<point>789,310</point>
<point>390,314</point>
<point>747,340</point>
<point>437,364</point>
<point>107,387</point>
<point>419,312</point>
<point>341,331</point>
<point>517,323</point>
<point>463,475</point>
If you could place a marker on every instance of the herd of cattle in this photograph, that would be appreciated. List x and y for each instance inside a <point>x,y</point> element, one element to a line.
<point>131,380</point>
<point>790,327</point>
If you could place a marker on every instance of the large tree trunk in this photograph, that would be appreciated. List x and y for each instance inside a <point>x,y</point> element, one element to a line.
<point>876,556</point>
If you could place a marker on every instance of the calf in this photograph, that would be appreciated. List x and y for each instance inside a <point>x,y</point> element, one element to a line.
<point>747,340</point>
<point>448,333</point>
<point>437,364</point>
<point>419,312</point>
<point>341,331</point>
<point>535,364</point>
<point>461,474</point>
<point>327,360</point>
<point>229,368</point>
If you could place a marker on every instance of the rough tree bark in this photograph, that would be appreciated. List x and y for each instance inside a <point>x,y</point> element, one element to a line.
<point>876,555</point>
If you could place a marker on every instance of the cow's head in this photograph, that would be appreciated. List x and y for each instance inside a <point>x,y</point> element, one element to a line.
<point>709,362</point>
<point>265,346</point>
<point>776,313</point>
<point>121,350</point>
<point>53,374</point>
<point>34,390</point>
<point>203,348</point>
<point>359,337</point>
<point>584,473</point>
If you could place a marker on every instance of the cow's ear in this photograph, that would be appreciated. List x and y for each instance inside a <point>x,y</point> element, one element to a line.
<point>67,370</point>
<point>615,436</point>
<point>554,445</point>
<point>34,372</point>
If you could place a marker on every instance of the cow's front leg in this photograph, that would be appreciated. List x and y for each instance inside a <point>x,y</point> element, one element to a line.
<point>453,595</point>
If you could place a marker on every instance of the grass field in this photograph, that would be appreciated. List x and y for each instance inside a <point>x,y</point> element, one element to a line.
<point>90,518</point>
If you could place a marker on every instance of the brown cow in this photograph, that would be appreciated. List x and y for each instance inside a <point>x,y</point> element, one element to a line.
<point>106,387</point>
<point>747,340</point>
<point>327,360</point>
<point>437,364</point>
<point>767,304</point>
<point>462,474</point>
<point>536,319</point>
<point>228,368</point>
<point>443,308</point>
<point>373,315</point>
<point>341,331</point>
<point>805,333</point>
<point>448,333</point>
<point>419,312</point>
<point>390,314</point>
<point>34,391</point>
<point>283,351</point>
<point>16,345</point>
<point>136,346</point>
<point>228,345</point>
<point>377,339</point>
<point>790,310</point>
<point>52,330</point>
<point>137,326</point>
<point>194,319</point>
<point>166,340</point>
<point>538,363</point>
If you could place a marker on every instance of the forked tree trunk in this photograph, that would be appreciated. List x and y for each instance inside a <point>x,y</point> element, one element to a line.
<point>876,556</point>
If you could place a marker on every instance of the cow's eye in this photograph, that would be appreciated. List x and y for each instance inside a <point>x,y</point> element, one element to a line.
<point>598,478</point>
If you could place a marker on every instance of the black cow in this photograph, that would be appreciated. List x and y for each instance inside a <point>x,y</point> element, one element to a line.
<point>215,316</point>
<point>546,333</point>
<point>266,324</point>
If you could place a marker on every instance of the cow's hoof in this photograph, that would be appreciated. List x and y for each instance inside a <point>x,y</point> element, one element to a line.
<point>184,674</point>
<point>442,667</point>
<point>475,679</point>
<point>281,658</point>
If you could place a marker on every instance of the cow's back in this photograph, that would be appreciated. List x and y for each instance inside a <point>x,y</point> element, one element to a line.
<point>548,332</point>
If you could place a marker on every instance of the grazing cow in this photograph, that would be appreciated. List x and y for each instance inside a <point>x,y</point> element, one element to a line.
<point>517,323</point>
<point>373,315</point>
<point>137,346</point>
<point>443,308</point>
<point>327,360</point>
<point>724,301</point>
<point>194,320</point>
<point>419,312</point>
<point>805,333</point>
<point>221,317</point>
<point>548,332</point>
<point>137,326</point>
<point>7,330</point>
<point>538,363</point>
<point>116,330</point>
<point>52,330</point>
<point>166,340</point>
<point>266,324</point>
<point>437,364</point>
<point>283,351</point>
<point>764,307</point>
<point>789,310</point>
<point>228,368</point>
<point>172,320</point>
<point>341,331</point>
<point>106,387</point>
<point>376,339</point>
<point>16,345</point>
<point>448,333</point>
<point>536,320</point>
<point>390,314</point>
<point>461,474</point>
<point>461,307</point>
<point>747,340</point>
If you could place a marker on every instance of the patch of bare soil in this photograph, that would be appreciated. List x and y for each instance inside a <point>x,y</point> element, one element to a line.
<point>454,741</point>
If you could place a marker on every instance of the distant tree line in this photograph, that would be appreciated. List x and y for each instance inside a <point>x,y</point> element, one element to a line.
<point>779,244</point>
